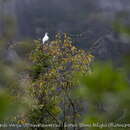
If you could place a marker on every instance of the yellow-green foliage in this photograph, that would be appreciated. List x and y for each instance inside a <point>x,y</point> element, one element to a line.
<point>53,65</point>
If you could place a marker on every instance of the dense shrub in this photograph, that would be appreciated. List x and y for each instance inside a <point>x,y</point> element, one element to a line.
<point>53,66</point>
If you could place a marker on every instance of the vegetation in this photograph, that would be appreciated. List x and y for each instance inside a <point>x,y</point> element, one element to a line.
<point>58,83</point>
<point>53,67</point>
<point>106,91</point>
<point>61,86</point>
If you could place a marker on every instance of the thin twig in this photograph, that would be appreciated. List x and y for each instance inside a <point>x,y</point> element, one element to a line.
<point>53,116</point>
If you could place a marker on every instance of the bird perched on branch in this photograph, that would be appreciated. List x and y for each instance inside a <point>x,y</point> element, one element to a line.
<point>45,38</point>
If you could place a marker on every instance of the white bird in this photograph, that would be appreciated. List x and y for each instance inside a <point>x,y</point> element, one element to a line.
<point>45,38</point>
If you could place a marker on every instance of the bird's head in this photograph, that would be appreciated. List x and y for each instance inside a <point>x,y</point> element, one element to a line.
<point>46,33</point>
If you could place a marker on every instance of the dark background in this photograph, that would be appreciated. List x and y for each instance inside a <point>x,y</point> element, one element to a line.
<point>85,20</point>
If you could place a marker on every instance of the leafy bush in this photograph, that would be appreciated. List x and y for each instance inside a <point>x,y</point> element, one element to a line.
<point>106,91</point>
<point>53,66</point>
